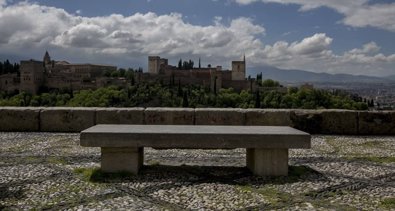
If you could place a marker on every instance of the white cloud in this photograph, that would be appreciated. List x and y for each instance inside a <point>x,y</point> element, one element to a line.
<point>358,13</point>
<point>152,34</point>
<point>245,2</point>
<point>311,45</point>
<point>20,29</point>
<point>314,53</point>
<point>310,53</point>
<point>116,39</point>
<point>367,54</point>
<point>3,3</point>
<point>378,15</point>
<point>135,35</point>
<point>370,47</point>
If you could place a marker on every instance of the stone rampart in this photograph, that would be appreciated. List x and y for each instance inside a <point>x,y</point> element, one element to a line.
<point>67,119</point>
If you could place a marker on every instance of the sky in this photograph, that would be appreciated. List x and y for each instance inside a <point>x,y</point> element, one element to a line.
<point>332,36</point>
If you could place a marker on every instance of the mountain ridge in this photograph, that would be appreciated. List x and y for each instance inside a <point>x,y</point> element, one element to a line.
<point>303,76</point>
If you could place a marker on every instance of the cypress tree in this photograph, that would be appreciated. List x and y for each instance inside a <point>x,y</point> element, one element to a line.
<point>215,85</point>
<point>180,64</point>
<point>257,99</point>
<point>185,102</point>
<point>179,93</point>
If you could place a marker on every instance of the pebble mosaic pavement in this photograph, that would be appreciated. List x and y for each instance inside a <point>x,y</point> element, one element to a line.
<point>51,171</point>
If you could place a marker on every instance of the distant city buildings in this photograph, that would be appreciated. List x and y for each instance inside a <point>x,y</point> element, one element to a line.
<point>382,94</point>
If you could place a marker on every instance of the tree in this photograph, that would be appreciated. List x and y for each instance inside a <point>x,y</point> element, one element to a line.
<point>292,90</point>
<point>259,77</point>
<point>180,64</point>
<point>250,85</point>
<point>199,64</point>
<point>7,66</point>
<point>185,102</point>
<point>122,72</point>
<point>15,68</point>
<point>257,99</point>
<point>191,64</point>
<point>179,91</point>
<point>152,93</point>
<point>172,80</point>
<point>215,85</point>
<point>115,74</point>
<point>185,65</point>
<point>270,83</point>
<point>129,75</point>
<point>107,73</point>
<point>370,103</point>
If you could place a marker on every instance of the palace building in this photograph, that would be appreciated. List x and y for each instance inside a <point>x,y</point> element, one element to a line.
<point>52,74</point>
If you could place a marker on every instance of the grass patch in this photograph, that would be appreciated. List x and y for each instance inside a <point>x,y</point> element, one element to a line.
<point>332,142</point>
<point>327,194</point>
<point>57,160</point>
<point>388,203</point>
<point>96,175</point>
<point>327,205</point>
<point>373,144</point>
<point>31,159</point>
<point>273,196</point>
<point>154,163</point>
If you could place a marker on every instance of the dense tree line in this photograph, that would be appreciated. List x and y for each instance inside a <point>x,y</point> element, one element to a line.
<point>122,72</point>
<point>186,65</point>
<point>7,67</point>
<point>157,94</point>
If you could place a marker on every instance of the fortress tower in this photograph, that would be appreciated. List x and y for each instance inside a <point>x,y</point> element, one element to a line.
<point>154,64</point>
<point>239,70</point>
<point>32,76</point>
<point>47,58</point>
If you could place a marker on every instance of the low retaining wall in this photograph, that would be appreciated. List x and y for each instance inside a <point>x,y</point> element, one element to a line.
<point>66,119</point>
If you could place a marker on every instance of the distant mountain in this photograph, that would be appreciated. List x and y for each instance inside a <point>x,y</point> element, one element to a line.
<point>391,77</point>
<point>300,76</point>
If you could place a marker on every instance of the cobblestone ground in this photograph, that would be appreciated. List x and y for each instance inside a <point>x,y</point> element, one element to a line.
<point>51,171</point>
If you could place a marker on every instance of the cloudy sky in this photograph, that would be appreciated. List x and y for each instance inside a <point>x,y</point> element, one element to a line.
<point>333,36</point>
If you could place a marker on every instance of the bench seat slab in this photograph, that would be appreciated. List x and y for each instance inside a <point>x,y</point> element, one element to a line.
<point>268,162</point>
<point>121,159</point>
<point>194,137</point>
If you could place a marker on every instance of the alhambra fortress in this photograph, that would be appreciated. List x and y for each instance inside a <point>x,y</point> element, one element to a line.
<point>50,74</point>
<point>213,77</point>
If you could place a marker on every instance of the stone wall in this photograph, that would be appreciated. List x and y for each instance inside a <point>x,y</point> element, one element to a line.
<point>65,119</point>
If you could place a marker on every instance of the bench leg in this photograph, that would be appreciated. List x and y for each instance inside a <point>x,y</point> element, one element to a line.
<point>122,159</point>
<point>268,162</point>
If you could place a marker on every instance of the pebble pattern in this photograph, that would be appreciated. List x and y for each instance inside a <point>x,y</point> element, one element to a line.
<point>38,171</point>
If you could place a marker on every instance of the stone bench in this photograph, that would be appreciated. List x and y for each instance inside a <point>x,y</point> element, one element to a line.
<point>122,146</point>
